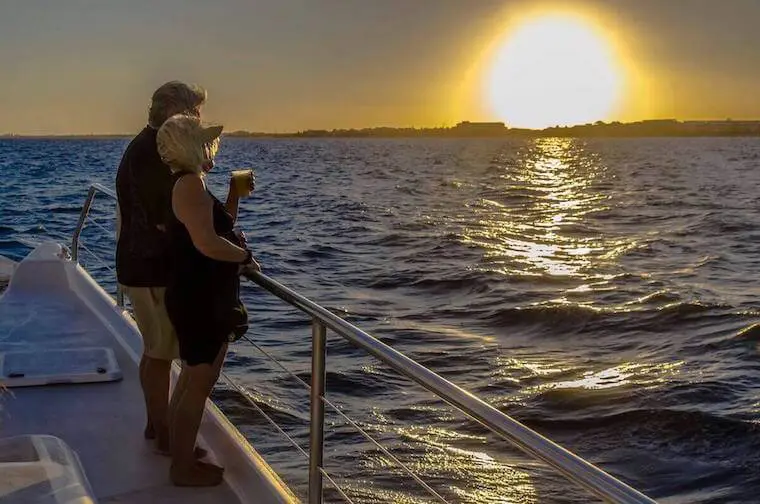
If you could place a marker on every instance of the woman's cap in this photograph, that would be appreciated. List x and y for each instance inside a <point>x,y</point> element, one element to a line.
<point>183,141</point>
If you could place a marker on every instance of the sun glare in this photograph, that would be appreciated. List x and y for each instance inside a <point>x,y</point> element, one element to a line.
<point>553,70</point>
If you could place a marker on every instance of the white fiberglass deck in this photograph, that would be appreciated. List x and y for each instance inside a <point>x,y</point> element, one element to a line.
<point>52,303</point>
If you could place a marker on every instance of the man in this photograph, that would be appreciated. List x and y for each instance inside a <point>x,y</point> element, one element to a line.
<point>143,188</point>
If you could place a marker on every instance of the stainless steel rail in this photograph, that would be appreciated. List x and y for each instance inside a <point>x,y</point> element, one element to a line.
<point>94,189</point>
<point>534,444</point>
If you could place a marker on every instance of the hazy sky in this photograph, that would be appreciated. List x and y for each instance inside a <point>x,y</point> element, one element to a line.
<point>82,66</point>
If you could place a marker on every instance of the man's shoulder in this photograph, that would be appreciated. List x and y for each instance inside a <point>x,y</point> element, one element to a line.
<point>143,145</point>
<point>141,154</point>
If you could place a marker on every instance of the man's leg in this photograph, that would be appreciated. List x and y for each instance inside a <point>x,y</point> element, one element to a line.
<point>154,378</point>
<point>149,432</point>
<point>159,348</point>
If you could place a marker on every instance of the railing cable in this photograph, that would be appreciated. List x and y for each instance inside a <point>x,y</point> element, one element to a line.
<point>99,226</point>
<point>102,262</point>
<point>353,424</point>
<point>244,392</point>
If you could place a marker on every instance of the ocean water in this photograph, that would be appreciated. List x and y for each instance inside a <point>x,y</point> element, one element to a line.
<point>603,292</point>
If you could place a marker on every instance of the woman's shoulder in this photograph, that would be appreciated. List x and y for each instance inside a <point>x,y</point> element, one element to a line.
<point>180,174</point>
<point>188,183</point>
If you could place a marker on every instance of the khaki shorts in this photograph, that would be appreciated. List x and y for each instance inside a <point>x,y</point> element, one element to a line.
<point>159,338</point>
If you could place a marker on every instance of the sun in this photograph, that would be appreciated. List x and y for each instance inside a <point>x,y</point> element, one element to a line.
<point>551,70</point>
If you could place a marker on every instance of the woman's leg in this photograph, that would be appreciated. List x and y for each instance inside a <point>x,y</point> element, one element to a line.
<point>219,362</point>
<point>179,389</point>
<point>186,420</point>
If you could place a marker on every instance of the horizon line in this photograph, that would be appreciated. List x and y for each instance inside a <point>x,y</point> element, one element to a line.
<point>459,125</point>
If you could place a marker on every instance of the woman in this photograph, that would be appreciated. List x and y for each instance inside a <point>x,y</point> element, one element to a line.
<point>202,295</point>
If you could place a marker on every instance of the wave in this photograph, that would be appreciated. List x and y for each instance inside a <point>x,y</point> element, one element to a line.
<point>321,251</point>
<point>568,316</point>
<point>462,283</point>
<point>239,409</point>
<point>707,435</point>
<point>751,332</point>
<point>391,240</point>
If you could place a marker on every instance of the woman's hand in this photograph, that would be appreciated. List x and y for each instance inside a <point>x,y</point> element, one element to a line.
<point>242,190</point>
<point>251,267</point>
<point>242,241</point>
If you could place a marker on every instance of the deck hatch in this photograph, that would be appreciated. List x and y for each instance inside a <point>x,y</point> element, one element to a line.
<point>50,366</point>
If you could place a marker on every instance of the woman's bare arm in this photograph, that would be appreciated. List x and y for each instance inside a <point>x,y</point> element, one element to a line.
<point>194,208</point>
<point>233,201</point>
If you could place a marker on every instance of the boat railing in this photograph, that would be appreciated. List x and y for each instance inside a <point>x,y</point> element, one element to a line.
<point>86,220</point>
<point>573,467</point>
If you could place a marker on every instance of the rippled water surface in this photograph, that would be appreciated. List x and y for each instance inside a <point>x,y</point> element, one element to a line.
<point>602,292</point>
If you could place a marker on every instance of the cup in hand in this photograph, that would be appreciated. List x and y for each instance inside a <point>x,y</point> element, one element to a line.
<point>243,180</point>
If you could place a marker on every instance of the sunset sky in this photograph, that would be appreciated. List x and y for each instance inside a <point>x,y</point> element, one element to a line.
<point>89,66</point>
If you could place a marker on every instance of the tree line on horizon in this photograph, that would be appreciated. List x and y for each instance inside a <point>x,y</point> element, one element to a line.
<point>657,127</point>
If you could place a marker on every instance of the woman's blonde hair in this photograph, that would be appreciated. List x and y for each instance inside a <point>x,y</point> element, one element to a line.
<point>185,144</point>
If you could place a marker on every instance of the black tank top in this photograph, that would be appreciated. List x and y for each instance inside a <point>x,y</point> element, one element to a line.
<point>206,290</point>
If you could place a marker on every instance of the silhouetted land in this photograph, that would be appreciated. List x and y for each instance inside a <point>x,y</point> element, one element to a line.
<point>652,128</point>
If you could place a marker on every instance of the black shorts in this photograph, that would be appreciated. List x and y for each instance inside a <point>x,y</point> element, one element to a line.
<point>200,337</point>
<point>197,348</point>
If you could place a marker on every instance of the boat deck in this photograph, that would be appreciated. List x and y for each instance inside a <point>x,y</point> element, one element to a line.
<point>103,422</point>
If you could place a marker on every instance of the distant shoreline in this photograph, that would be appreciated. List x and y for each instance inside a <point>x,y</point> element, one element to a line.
<point>466,129</point>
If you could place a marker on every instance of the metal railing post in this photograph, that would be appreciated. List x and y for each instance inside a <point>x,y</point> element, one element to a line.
<point>119,296</point>
<point>80,224</point>
<point>317,423</point>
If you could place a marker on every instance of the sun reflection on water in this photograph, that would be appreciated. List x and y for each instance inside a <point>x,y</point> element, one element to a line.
<point>542,374</point>
<point>455,460</point>
<point>540,225</point>
<point>631,373</point>
<point>533,220</point>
